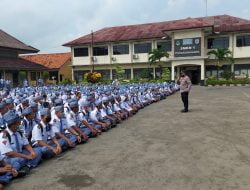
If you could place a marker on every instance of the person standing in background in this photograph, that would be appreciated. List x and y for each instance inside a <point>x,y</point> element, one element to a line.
<point>185,86</point>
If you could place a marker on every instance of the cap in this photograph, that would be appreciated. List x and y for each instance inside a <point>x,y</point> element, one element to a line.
<point>58,108</point>
<point>58,101</point>
<point>10,117</point>
<point>27,111</point>
<point>3,105</point>
<point>73,104</point>
<point>45,112</point>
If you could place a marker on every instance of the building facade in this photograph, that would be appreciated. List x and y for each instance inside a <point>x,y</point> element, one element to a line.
<point>187,41</point>
<point>57,64</point>
<point>11,64</point>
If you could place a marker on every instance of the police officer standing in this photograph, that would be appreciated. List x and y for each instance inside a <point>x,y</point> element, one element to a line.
<point>185,86</point>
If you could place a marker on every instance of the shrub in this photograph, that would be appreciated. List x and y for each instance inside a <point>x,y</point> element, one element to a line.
<point>94,77</point>
<point>66,82</point>
<point>166,74</point>
<point>227,75</point>
<point>145,73</point>
<point>22,75</point>
<point>119,72</point>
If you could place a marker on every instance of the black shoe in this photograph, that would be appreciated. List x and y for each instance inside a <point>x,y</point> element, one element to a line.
<point>184,111</point>
<point>23,171</point>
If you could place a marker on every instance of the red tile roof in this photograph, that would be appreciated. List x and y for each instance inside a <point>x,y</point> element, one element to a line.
<point>51,61</point>
<point>221,23</point>
<point>8,41</point>
<point>19,64</point>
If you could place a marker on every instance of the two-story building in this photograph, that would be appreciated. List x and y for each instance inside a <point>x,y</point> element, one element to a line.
<point>187,41</point>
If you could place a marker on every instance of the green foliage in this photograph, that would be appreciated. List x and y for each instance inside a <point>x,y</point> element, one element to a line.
<point>212,81</point>
<point>166,74</point>
<point>45,76</point>
<point>22,75</point>
<point>105,81</point>
<point>156,55</point>
<point>145,73</point>
<point>119,72</point>
<point>221,55</point>
<point>227,75</point>
<point>66,82</point>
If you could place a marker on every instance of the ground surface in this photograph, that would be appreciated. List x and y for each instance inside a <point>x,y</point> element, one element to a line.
<point>162,149</point>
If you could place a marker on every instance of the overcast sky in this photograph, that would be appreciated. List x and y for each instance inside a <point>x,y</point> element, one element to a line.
<point>47,24</point>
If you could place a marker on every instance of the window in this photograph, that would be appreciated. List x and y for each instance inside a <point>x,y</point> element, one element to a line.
<point>79,75</point>
<point>166,46</point>
<point>220,42</point>
<point>33,76</point>
<point>81,52</point>
<point>243,41</point>
<point>211,70</point>
<point>143,73</point>
<point>126,76</point>
<point>53,75</point>
<point>120,49</point>
<point>142,48</point>
<point>105,73</point>
<point>242,69</point>
<point>100,51</point>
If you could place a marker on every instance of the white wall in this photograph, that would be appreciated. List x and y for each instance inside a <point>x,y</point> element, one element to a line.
<point>241,52</point>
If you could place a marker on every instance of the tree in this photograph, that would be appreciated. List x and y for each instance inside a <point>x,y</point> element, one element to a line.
<point>166,74</point>
<point>45,76</point>
<point>156,55</point>
<point>22,76</point>
<point>119,72</point>
<point>221,55</point>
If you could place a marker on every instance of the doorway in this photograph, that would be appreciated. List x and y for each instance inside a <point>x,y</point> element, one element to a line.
<point>194,73</point>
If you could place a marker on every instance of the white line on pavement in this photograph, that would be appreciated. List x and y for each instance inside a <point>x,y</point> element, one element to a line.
<point>246,94</point>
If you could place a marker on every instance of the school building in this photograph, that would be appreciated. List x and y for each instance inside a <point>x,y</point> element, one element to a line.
<point>187,41</point>
<point>57,64</point>
<point>10,62</point>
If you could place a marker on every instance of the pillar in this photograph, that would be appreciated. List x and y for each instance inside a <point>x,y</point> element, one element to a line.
<point>232,68</point>
<point>202,74</point>
<point>132,73</point>
<point>72,72</point>
<point>154,72</point>
<point>111,74</point>
<point>178,72</point>
<point>172,72</point>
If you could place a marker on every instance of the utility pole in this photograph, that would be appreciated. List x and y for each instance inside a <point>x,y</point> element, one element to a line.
<point>92,50</point>
<point>206,7</point>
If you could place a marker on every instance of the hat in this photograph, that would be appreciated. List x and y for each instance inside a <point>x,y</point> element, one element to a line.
<point>58,108</point>
<point>45,112</point>
<point>27,111</point>
<point>25,101</point>
<point>10,117</point>
<point>86,104</point>
<point>98,103</point>
<point>3,105</point>
<point>33,105</point>
<point>73,104</point>
<point>9,101</point>
<point>58,101</point>
<point>37,98</point>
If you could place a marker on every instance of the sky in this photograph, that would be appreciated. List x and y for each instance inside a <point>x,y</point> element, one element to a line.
<point>47,24</point>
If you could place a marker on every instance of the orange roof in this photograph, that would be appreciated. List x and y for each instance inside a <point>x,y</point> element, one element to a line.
<point>51,61</point>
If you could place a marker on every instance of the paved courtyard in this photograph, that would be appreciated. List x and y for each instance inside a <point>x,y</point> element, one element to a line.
<point>162,149</point>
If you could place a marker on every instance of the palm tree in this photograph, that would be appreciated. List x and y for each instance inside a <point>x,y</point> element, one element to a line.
<point>221,55</point>
<point>156,55</point>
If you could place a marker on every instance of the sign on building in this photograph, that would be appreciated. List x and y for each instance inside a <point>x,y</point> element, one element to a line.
<point>187,47</point>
